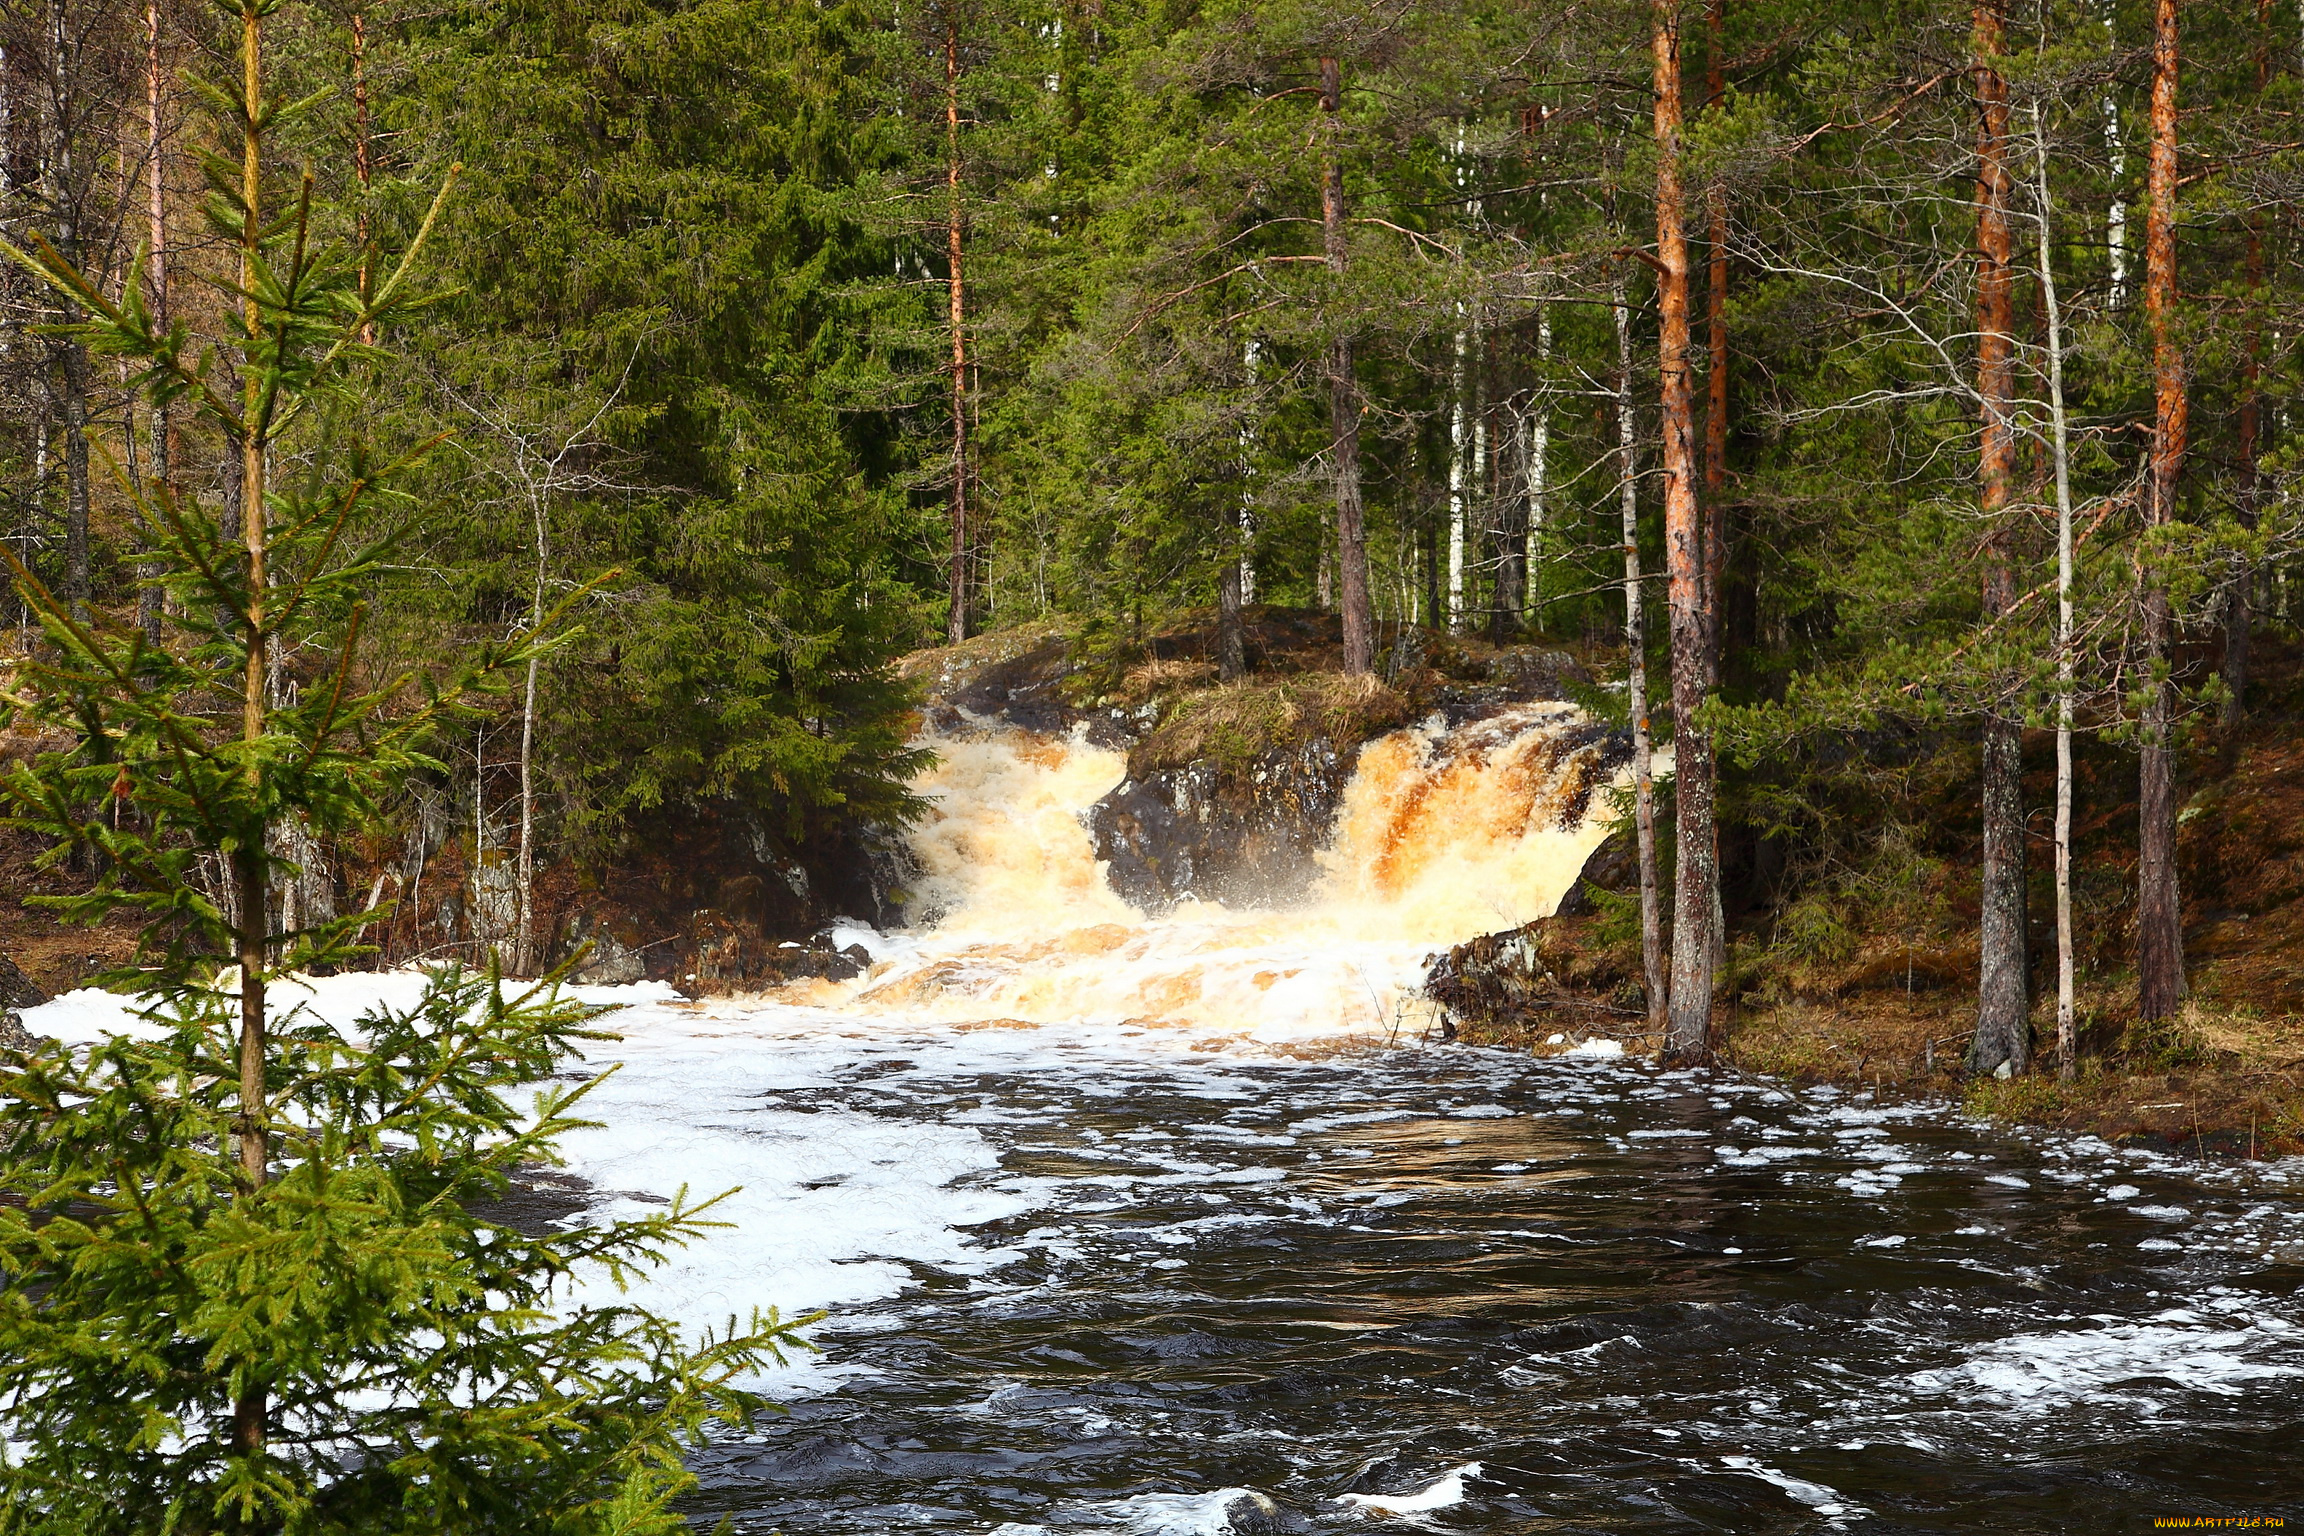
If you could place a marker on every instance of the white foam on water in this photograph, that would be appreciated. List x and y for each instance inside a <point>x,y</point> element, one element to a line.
<point>1443,1493</point>
<point>1442,834</point>
<point>2039,1371</point>
<point>1827,1502</point>
<point>1185,1514</point>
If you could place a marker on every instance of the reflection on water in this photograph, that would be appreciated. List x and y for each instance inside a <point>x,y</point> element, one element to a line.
<point>1247,1295</point>
<point>1104,1257</point>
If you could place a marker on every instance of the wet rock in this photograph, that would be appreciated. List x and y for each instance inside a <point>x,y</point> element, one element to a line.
<point>1614,866</point>
<point>793,962</point>
<point>1254,1514</point>
<point>15,1037</point>
<point>18,990</point>
<point>1245,838</point>
<point>611,961</point>
<point>1492,980</point>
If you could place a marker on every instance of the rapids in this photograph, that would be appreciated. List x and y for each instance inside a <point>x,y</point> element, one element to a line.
<point>1443,834</point>
<point>1165,1225</point>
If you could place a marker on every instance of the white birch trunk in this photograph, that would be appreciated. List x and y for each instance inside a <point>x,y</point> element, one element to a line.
<point>2059,448</point>
<point>1636,670</point>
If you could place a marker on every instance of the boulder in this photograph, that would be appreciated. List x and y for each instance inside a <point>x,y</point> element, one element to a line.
<point>18,990</point>
<point>1614,867</point>
<point>1243,838</point>
<point>14,1036</point>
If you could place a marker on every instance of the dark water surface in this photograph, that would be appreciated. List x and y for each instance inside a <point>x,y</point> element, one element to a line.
<point>1638,1302</point>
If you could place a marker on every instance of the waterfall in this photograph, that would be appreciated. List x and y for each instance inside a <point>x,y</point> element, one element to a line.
<point>1443,833</point>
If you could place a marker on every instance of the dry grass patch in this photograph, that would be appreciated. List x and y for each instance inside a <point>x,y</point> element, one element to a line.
<point>1239,724</point>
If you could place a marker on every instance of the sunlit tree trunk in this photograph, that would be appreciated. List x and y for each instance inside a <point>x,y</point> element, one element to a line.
<point>2059,447</point>
<point>2159,932</point>
<point>1695,894</point>
<point>2003,1001</point>
<point>249,870</point>
<point>1343,393</point>
<point>363,158</point>
<point>148,599</point>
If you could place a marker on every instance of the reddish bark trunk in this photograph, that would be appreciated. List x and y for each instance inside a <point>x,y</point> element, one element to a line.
<point>1343,395</point>
<point>1716,376</point>
<point>1696,882</point>
<point>956,621</point>
<point>2159,932</point>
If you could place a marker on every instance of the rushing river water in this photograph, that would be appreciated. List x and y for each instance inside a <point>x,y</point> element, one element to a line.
<point>1501,1294</point>
<point>1154,1225</point>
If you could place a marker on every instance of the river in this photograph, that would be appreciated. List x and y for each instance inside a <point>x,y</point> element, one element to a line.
<point>1175,1225</point>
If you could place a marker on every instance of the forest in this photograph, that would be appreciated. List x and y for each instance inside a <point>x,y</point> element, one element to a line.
<point>1893,378</point>
<point>1747,539</point>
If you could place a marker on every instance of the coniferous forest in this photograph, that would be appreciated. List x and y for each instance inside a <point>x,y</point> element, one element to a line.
<point>534,485</point>
<point>1924,374</point>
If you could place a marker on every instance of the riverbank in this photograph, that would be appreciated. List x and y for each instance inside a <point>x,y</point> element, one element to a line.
<point>2220,1081</point>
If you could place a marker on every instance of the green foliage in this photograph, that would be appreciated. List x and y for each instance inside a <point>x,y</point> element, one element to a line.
<point>423,1366</point>
<point>248,1281</point>
<point>659,361</point>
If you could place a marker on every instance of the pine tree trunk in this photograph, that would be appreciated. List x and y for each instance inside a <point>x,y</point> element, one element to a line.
<point>2159,932</point>
<point>248,1413</point>
<point>1343,394</point>
<point>1716,375</point>
<point>1636,669</point>
<point>2003,998</point>
<point>1695,893</point>
<point>149,598</point>
<point>1715,503</point>
<point>2059,446</point>
<point>363,158</point>
<point>956,621</point>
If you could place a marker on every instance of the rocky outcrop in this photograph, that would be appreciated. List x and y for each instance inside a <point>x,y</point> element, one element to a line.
<point>713,901</point>
<point>14,1036</point>
<point>1245,838</point>
<point>1234,792</point>
<point>1508,981</point>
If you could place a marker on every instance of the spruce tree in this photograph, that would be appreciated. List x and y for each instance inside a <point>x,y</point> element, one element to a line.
<point>252,1281</point>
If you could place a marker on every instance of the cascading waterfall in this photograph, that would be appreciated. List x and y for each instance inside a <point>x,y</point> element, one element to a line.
<point>1442,834</point>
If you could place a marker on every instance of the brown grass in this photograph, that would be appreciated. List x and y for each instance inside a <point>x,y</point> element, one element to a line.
<point>1239,724</point>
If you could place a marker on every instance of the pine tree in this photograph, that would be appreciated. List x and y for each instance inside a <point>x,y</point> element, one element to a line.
<point>250,1280</point>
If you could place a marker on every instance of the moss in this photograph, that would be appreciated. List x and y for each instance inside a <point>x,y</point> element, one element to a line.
<point>1237,725</point>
